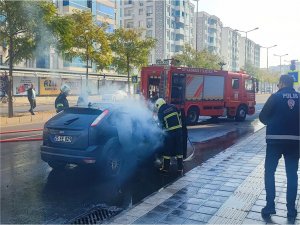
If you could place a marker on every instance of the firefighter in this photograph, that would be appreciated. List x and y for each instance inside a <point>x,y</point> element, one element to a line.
<point>169,118</point>
<point>61,102</point>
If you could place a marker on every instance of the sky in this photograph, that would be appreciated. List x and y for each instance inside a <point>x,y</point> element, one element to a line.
<point>278,22</point>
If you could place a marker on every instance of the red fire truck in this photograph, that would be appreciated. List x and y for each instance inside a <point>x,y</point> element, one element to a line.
<point>201,92</point>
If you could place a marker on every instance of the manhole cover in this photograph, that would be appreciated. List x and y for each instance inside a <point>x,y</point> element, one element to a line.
<point>96,215</point>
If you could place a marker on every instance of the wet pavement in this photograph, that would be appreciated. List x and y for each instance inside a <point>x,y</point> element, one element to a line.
<point>33,193</point>
<point>226,189</point>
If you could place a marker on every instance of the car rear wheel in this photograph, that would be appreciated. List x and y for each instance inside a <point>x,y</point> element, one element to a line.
<point>114,161</point>
<point>57,165</point>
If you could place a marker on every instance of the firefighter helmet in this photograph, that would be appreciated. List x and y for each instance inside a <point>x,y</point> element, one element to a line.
<point>159,102</point>
<point>65,89</point>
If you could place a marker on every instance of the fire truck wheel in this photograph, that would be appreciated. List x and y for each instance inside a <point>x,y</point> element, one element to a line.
<point>241,113</point>
<point>192,115</point>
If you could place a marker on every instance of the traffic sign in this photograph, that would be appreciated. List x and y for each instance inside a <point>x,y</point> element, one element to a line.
<point>134,79</point>
<point>295,75</point>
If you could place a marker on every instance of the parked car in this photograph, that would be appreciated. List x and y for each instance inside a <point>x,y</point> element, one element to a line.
<point>104,134</point>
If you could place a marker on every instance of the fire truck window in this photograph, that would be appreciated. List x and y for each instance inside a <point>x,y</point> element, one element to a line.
<point>235,83</point>
<point>177,94</point>
<point>249,85</point>
<point>153,89</point>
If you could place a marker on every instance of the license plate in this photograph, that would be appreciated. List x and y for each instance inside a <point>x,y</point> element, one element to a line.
<point>64,139</point>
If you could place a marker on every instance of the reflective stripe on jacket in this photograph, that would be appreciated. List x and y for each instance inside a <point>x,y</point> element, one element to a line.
<point>169,117</point>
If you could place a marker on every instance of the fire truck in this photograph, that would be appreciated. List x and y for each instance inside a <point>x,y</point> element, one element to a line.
<point>201,92</point>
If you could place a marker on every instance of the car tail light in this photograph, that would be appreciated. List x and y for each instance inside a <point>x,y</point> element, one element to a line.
<point>99,118</point>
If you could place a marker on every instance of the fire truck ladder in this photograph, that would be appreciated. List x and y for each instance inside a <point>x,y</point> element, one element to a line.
<point>163,84</point>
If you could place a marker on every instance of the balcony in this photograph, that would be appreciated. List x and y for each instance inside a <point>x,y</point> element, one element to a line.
<point>128,16</point>
<point>179,19</point>
<point>179,42</point>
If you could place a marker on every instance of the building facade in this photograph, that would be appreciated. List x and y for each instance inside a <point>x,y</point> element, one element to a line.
<point>209,32</point>
<point>252,50</point>
<point>230,49</point>
<point>170,22</point>
<point>102,10</point>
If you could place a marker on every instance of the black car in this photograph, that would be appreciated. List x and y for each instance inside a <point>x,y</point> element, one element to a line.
<point>105,135</point>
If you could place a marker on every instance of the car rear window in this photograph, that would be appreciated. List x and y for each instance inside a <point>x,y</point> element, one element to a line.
<point>84,111</point>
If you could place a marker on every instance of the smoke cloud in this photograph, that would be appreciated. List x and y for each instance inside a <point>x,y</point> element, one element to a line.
<point>138,131</point>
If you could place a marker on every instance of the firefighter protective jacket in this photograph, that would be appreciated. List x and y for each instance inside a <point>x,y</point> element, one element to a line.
<point>61,102</point>
<point>281,115</point>
<point>169,117</point>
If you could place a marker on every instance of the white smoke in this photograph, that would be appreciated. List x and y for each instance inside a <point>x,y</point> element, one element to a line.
<point>136,125</point>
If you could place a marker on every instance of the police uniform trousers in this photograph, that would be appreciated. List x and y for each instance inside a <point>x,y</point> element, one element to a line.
<point>173,147</point>
<point>290,152</point>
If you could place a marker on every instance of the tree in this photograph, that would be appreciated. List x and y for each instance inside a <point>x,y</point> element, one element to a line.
<point>131,50</point>
<point>89,41</point>
<point>24,25</point>
<point>203,59</point>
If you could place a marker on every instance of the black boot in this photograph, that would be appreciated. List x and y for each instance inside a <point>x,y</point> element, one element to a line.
<point>179,163</point>
<point>166,164</point>
<point>291,211</point>
<point>268,210</point>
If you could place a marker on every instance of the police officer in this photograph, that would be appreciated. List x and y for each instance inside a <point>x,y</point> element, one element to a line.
<point>61,102</point>
<point>281,115</point>
<point>169,117</point>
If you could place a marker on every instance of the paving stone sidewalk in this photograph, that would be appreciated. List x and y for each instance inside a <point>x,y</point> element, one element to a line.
<point>226,189</point>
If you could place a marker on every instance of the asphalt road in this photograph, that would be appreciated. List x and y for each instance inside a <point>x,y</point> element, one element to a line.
<point>31,192</point>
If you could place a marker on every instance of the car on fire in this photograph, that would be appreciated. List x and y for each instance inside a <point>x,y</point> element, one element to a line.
<point>105,135</point>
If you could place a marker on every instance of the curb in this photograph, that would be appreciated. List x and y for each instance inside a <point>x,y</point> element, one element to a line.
<point>26,119</point>
<point>20,139</point>
<point>20,131</point>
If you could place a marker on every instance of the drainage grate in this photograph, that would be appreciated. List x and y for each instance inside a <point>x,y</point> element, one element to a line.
<point>96,215</point>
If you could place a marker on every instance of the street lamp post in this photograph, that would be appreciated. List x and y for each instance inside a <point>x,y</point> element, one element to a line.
<point>268,54</point>
<point>246,32</point>
<point>280,56</point>
<point>197,26</point>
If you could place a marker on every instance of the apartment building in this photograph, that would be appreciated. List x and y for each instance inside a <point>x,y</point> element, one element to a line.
<point>170,22</point>
<point>230,49</point>
<point>209,30</point>
<point>102,10</point>
<point>252,50</point>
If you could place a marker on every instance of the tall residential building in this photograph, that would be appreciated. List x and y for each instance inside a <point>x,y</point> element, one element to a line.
<point>170,22</point>
<point>230,49</point>
<point>209,29</point>
<point>102,10</point>
<point>252,52</point>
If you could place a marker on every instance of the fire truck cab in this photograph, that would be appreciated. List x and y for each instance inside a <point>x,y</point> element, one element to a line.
<point>201,92</point>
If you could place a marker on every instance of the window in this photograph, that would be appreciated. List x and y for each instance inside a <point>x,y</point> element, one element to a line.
<point>149,22</point>
<point>141,11</point>
<point>235,83</point>
<point>149,33</point>
<point>141,24</point>
<point>105,10</point>
<point>149,10</point>
<point>249,85</point>
<point>129,25</point>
